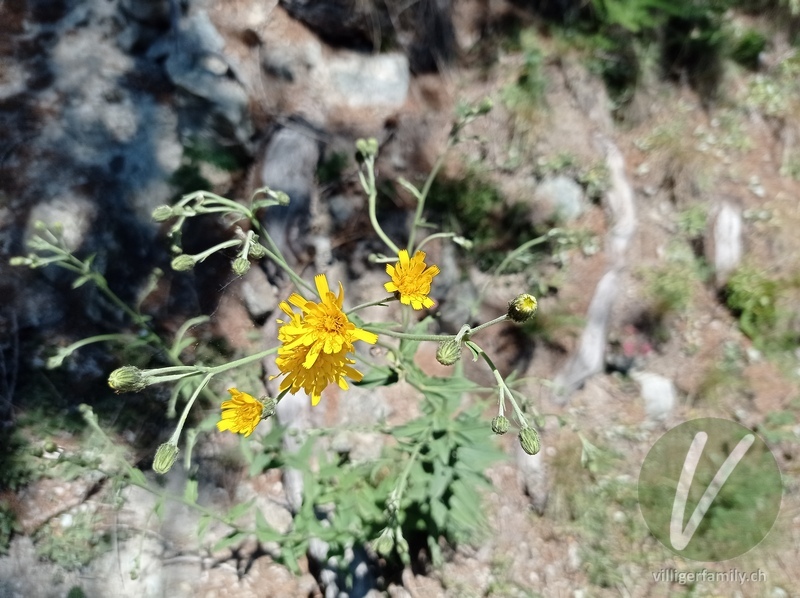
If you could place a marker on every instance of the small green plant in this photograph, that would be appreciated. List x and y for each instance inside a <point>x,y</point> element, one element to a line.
<point>72,540</point>
<point>753,297</point>
<point>748,47</point>
<point>423,490</point>
<point>525,96</point>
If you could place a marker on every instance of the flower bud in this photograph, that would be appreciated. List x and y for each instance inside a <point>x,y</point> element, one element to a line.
<point>449,352</point>
<point>269,407</point>
<point>522,308</point>
<point>183,262</point>
<point>241,266</point>
<point>500,424</point>
<point>257,251</point>
<point>165,457</point>
<point>128,379</point>
<point>367,147</point>
<point>282,198</point>
<point>385,542</point>
<point>529,440</point>
<point>162,213</point>
<point>19,260</point>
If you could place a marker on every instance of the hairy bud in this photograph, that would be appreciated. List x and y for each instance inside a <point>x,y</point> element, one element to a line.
<point>522,308</point>
<point>529,440</point>
<point>500,424</point>
<point>183,262</point>
<point>449,352</point>
<point>165,457</point>
<point>128,379</point>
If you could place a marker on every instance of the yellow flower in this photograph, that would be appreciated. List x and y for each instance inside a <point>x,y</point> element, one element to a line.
<point>411,280</point>
<point>241,413</point>
<point>316,342</point>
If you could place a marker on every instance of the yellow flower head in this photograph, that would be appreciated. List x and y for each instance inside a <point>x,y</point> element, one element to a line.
<point>411,280</point>
<point>316,342</point>
<point>241,413</point>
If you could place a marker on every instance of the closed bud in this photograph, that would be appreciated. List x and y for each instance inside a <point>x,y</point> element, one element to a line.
<point>183,262</point>
<point>529,440</point>
<point>165,457</point>
<point>257,251</point>
<point>522,308</point>
<point>269,407</point>
<point>384,545</point>
<point>241,266</point>
<point>367,147</point>
<point>282,198</point>
<point>162,213</point>
<point>19,260</point>
<point>128,379</point>
<point>449,352</point>
<point>500,424</point>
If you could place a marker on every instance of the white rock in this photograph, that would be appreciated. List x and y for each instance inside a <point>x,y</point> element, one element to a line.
<point>658,393</point>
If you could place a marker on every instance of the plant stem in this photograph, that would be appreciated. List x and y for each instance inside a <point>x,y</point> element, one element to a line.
<point>381,302</point>
<point>372,196</point>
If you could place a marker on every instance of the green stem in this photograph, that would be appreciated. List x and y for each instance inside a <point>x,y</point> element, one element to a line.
<point>179,428</point>
<point>409,337</point>
<point>274,253</point>
<point>218,247</point>
<point>432,237</point>
<point>497,320</point>
<point>423,195</point>
<point>372,196</point>
<point>381,302</point>
<point>504,390</point>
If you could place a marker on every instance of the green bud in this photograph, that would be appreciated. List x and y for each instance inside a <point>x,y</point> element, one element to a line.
<point>269,407</point>
<point>183,262</point>
<point>282,198</point>
<point>529,440</point>
<point>162,213</point>
<point>257,251</point>
<point>500,424</point>
<point>50,446</point>
<point>165,457</point>
<point>449,352</point>
<point>128,379</point>
<point>241,266</point>
<point>19,260</point>
<point>384,545</point>
<point>367,147</point>
<point>522,308</point>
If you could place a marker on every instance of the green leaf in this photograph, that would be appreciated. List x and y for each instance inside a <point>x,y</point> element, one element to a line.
<point>238,510</point>
<point>202,526</point>
<point>264,531</point>
<point>438,513</point>
<point>190,492</point>
<point>229,540</point>
<point>137,477</point>
<point>379,376</point>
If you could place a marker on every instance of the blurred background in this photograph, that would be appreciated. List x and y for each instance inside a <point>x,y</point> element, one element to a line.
<point>660,139</point>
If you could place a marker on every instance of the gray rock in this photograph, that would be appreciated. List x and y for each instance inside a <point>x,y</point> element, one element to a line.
<point>290,165</point>
<point>658,393</point>
<point>557,200</point>
<point>192,64</point>
<point>258,295</point>
<point>362,80</point>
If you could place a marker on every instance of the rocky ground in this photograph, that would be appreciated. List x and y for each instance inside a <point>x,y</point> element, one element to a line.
<point>112,108</point>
